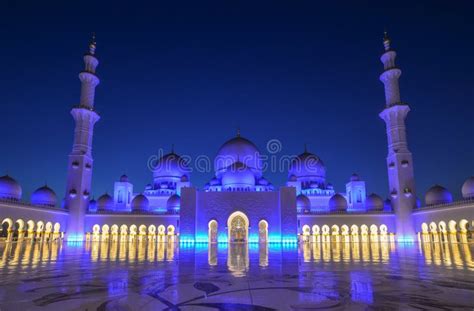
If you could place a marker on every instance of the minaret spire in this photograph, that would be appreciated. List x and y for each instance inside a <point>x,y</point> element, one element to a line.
<point>80,159</point>
<point>238,131</point>
<point>401,177</point>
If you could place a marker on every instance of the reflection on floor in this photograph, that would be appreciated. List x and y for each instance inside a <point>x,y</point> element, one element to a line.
<point>155,276</point>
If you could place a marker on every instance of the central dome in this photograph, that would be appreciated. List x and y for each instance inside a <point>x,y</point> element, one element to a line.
<point>238,175</point>
<point>307,167</point>
<point>238,149</point>
<point>170,168</point>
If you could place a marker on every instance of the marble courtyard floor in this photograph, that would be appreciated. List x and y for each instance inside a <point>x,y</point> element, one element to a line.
<point>142,276</point>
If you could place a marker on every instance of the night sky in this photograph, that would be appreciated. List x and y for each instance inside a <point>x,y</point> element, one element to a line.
<point>191,73</point>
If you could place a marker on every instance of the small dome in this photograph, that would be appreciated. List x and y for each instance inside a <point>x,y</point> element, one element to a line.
<point>235,150</point>
<point>44,196</point>
<point>10,189</point>
<point>387,205</point>
<point>263,181</point>
<point>105,203</point>
<point>174,202</point>
<point>468,188</point>
<point>292,178</point>
<point>140,203</point>
<point>238,175</point>
<point>374,203</point>
<point>184,178</point>
<point>355,177</point>
<point>337,203</point>
<point>92,205</point>
<point>308,167</point>
<point>214,182</point>
<point>329,186</point>
<point>303,203</point>
<point>124,178</point>
<point>438,195</point>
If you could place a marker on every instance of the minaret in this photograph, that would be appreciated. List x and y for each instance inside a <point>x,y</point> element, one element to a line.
<point>80,159</point>
<point>399,160</point>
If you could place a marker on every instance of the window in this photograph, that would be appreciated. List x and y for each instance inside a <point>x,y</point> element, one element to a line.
<point>359,196</point>
<point>129,197</point>
<point>120,197</point>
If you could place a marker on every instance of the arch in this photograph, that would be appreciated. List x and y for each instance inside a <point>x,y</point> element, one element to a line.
<point>463,225</point>
<point>325,229</point>
<point>9,222</point>
<point>105,229</point>
<point>96,229</point>
<point>305,230</point>
<point>39,226</point>
<point>238,227</point>
<point>354,230</point>
<point>345,229</point>
<point>123,229</point>
<point>452,226</point>
<point>335,230</point>
<point>56,227</point>
<point>161,230</point>
<point>212,231</point>
<point>152,229</point>
<point>48,227</point>
<point>142,229</point>
<point>133,229</point>
<point>442,227</point>
<point>170,230</point>
<point>21,224</point>
<point>31,225</point>
<point>263,231</point>
<point>316,229</point>
<point>433,227</point>
<point>364,230</point>
<point>114,229</point>
<point>383,229</point>
<point>374,230</point>
<point>424,228</point>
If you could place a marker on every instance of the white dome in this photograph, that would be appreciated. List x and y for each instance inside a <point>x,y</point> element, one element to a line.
<point>170,167</point>
<point>354,177</point>
<point>214,182</point>
<point>438,195</point>
<point>337,203</point>
<point>238,149</point>
<point>124,178</point>
<point>238,175</point>
<point>92,205</point>
<point>263,181</point>
<point>174,202</point>
<point>44,196</point>
<point>105,203</point>
<point>140,203</point>
<point>303,203</point>
<point>468,188</point>
<point>307,167</point>
<point>10,189</point>
<point>374,203</point>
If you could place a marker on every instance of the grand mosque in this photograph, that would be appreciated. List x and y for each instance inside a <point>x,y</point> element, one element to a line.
<point>238,204</point>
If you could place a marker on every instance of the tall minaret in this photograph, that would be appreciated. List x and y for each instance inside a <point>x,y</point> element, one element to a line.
<point>80,159</point>
<point>401,178</point>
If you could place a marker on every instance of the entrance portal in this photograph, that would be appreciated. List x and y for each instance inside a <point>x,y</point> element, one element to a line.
<point>238,225</point>
<point>212,231</point>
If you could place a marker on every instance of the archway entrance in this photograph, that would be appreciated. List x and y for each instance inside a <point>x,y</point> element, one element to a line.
<point>263,231</point>
<point>238,225</point>
<point>212,231</point>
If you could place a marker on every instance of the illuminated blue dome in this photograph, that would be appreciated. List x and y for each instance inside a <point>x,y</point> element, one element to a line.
<point>140,203</point>
<point>214,182</point>
<point>263,181</point>
<point>374,203</point>
<point>303,204</point>
<point>173,203</point>
<point>337,203</point>
<point>93,205</point>
<point>10,189</point>
<point>44,196</point>
<point>468,188</point>
<point>238,175</point>
<point>238,149</point>
<point>171,167</point>
<point>105,203</point>
<point>307,167</point>
<point>438,195</point>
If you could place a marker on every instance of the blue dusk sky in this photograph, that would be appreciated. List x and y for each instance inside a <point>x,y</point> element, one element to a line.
<point>190,73</point>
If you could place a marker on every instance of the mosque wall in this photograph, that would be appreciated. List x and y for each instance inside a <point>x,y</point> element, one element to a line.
<point>20,210</point>
<point>256,206</point>
<point>187,214</point>
<point>288,213</point>
<point>456,211</point>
